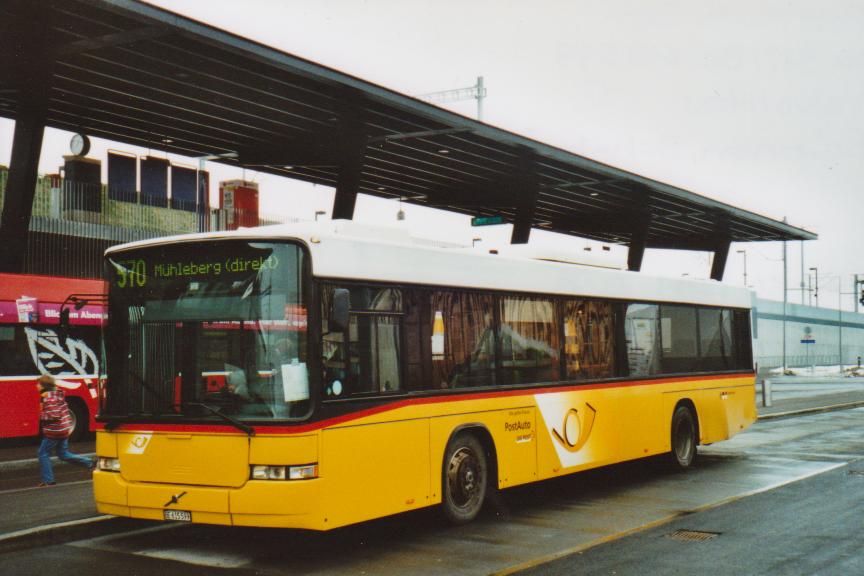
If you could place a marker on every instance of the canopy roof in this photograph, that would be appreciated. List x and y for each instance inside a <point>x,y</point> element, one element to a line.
<point>130,72</point>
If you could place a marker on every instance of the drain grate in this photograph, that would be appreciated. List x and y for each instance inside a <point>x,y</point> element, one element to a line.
<point>692,535</point>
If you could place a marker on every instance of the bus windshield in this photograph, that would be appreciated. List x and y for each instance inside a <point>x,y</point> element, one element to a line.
<point>208,328</point>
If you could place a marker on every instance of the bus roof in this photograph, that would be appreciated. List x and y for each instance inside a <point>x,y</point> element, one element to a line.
<point>346,250</point>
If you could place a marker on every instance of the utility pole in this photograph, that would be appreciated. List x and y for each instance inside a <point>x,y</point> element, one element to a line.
<point>802,271</point>
<point>840,320</point>
<point>476,92</point>
<point>785,291</point>
<point>815,270</point>
<point>744,253</point>
<point>855,292</point>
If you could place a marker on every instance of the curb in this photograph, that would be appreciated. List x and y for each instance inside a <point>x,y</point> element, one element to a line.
<point>62,532</point>
<point>814,410</point>
<point>34,462</point>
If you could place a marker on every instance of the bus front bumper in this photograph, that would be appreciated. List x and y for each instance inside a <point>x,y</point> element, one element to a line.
<point>277,504</point>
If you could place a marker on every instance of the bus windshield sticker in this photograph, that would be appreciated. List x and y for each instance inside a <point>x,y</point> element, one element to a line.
<point>295,382</point>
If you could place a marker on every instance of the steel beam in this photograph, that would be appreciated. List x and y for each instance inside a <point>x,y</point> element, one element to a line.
<point>20,189</point>
<point>26,148</point>
<point>351,153</point>
<point>420,134</point>
<point>721,254</point>
<point>526,188</point>
<point>636,251</point>
<point>721,243</point>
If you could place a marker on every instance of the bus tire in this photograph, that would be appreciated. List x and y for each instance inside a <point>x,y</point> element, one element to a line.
<point>80,420</point>
<point>464,478</point>
<point>684,438</point>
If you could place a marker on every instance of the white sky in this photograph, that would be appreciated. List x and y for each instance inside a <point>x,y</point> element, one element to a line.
<point>757,104</point>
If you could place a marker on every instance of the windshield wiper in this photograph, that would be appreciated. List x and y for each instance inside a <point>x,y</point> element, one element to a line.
<point>142,384</point>
<point>233,421</point>
<point>149,387</point>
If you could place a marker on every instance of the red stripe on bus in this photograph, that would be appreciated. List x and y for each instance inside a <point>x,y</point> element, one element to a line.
<point>301,428</point>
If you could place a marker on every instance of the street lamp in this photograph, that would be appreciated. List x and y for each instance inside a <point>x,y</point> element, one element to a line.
<point>744,253</point>
<point>815,269</point>
<point>475,240</point>
<point>319,213</point>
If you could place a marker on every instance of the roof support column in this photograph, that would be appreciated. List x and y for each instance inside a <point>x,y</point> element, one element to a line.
<point>525,190</point>
<point>721,253</point>
<point>26,148</point>
<point>351,146</point>
<point>20,189</point>
<point>638,241</point>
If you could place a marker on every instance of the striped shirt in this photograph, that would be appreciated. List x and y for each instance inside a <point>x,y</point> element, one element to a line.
<point>56,419</point>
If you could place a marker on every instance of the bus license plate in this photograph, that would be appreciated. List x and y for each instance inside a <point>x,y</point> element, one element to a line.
<point>181,515</point>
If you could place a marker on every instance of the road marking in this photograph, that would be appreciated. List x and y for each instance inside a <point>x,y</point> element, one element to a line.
<point>654,523</point>
<point>47,527</point>
<point>55,487</point>
<point>28,462</point>
<point>198,557</point>
<point>95,542</point>
<point>188,555</point>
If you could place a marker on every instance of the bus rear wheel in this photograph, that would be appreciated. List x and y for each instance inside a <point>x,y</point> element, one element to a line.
<point>80,421</point>
<point>684,440</point>
<point>464,479</point>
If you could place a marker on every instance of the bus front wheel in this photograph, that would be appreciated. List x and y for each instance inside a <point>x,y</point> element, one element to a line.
<point>464,478</point>
<point>684,440</point>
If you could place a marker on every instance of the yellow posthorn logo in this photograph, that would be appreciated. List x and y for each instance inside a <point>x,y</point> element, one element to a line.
<point>576,428</point>
<point>138,444</point>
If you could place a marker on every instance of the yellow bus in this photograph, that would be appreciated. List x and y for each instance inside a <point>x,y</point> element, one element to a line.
<point>321,374</point>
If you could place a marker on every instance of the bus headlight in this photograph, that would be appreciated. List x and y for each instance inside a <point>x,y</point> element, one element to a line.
<point>303,472</point>
<point>109,464</point>
<point>285,472</point>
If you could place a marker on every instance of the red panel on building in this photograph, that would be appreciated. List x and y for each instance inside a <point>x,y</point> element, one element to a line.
<point>239,200</point>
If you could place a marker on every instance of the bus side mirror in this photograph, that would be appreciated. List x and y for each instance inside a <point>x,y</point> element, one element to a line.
<point>63,331</point>
<point>338,318</point>
<point>64,319</point>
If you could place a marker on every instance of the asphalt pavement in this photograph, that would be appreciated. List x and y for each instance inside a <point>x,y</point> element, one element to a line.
<point>35,516</point>
<point>806,527</point>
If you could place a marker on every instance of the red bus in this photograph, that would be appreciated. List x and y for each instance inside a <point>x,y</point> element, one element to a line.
<point>32,343</point>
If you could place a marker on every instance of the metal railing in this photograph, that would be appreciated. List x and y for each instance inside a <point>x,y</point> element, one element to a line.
<point>849,357</point>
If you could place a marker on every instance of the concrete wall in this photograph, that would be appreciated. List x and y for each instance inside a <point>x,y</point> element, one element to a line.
<point>823,325</point>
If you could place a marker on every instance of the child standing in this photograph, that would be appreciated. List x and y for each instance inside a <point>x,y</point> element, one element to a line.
<point>56,427</point>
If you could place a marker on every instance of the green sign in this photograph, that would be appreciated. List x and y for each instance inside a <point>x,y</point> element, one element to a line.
<point>135,273</point>
<point>487,220</point>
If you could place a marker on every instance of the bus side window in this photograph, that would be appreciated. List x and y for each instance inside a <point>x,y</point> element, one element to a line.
<point>462,339</point>
<point>742,340</point>
<point>643,339</point>
<point>589,339</point>
<point>529,340</point>
<point>418,326</point>
<point>680,338</point>
<point>373,346</point>
<point>715,339</point>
